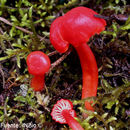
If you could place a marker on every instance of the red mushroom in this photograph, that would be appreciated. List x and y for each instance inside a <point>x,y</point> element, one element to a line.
<point>76,27</point>
<point>38,64</point>
<point>63,113</point>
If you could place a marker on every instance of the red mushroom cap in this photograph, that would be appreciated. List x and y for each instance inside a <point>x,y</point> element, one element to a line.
<point>59,107</point>
<point>38,63</point>
<point>75,27</point>
<point>56,38</point>
<point>80,24</point>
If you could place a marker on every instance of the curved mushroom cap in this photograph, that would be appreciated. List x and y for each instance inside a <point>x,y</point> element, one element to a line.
<point>56,38</point>
<point>38,63</point>
<point>75,27</point>
<point>59,107</point>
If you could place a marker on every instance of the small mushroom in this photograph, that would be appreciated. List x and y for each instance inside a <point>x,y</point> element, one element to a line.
<point>76,27</point>
<point>63,113</point>
<point>38,64</point>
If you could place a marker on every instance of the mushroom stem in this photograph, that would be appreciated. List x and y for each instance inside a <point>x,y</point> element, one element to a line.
<point>71,121</point>
<point>90,73</point>
<point>37,82</point>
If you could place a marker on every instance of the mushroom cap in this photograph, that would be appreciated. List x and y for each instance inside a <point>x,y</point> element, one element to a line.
<point>38,63</point>
<point>75,27</point>
<point>59,107</point>
<point>80,24</point>
<point>55,36</point>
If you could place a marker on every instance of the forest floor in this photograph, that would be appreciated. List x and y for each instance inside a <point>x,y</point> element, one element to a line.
<point>25,27</point>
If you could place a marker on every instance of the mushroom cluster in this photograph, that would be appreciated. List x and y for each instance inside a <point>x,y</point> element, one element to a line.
<point>75,27</point>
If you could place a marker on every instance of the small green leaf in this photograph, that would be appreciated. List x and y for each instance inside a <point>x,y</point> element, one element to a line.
<point>21,12</point>
<point>1,118</point>
<point>46,33</point>
<point>18,61</point>
<point>18,45</point>
<point>24,18</point>
<point>116,109</point>
<point>111,128</point>
<point>1,112</point>
<point>30,11</point>
<point>111,119</point>
<point>20,99</point>
<point>22,118</point>
<point>49,17</point>
<point>117,1</point>
<point>38,21</point>
<point>126,27</point>
<point>32,114</point>
<point>43,14</point>
<point>11,33</point>
<point>104,115</point>
<point>43,24</point>
<point>110,104</point>
<point>3,2</point>
<point>13,18</point>
<point>3,58</point>
<point>128,21</point>
<point>12,117</point>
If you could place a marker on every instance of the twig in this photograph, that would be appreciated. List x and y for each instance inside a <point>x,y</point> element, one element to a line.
<point>101,16</point>
<point>1,31</point>
<point>75,83</point>
<point>8,7</point>
<point>119,17</point>
<point>5,111</point>
<point>20,28</point>
<point>60,60</point>
<point>52,53</point>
